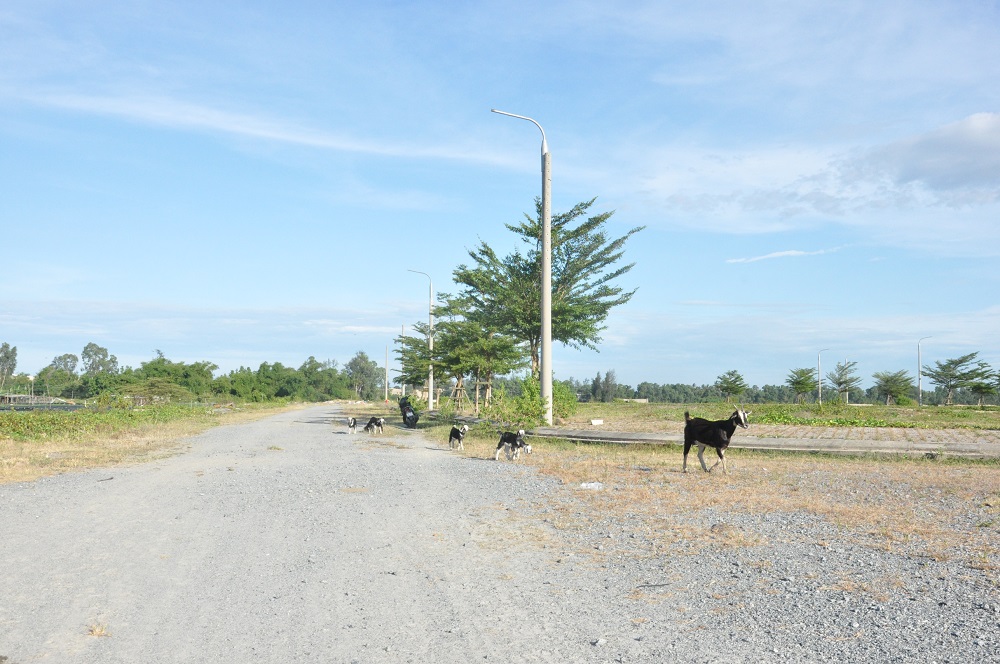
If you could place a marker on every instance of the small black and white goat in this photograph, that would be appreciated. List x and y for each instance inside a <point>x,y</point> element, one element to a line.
<point>352,425</point>
<point>456,437</point>
<point>512,444</point>
<point>715,434</point>
<point>375,425</point>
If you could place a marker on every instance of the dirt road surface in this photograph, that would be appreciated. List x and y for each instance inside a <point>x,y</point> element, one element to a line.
<point>286,540</point>
<point>290,540</point>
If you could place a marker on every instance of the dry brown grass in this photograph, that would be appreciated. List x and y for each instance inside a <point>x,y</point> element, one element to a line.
<point>24,461</point>
<point>942,510</point>
<point>98,629</point>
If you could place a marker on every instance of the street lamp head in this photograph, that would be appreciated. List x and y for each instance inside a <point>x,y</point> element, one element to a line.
<point>545,143</point>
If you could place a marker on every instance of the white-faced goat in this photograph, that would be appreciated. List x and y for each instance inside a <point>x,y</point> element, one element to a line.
<point>716,434</point>
<point>352,424</point>
<point>512,444</point>
<point>456,437</point>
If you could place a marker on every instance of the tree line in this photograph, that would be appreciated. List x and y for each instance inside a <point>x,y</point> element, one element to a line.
<point>961,380</point>
<point>96,371</point>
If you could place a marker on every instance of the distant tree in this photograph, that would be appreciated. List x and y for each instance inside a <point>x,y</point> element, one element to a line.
<point>957,373</point>
<point>597,389</point>
<point>97,360</point>
<point>609,386</point>
<point>844,379</point>
<point>892,385</point>
<point>365,375</point>
<point>985,387</point>
<point>323,380</point>
<point>731,384</point>
<point>465,344</point>
<point>563,398</point>
<point>623,391</point>
<point>67,363</point>
<point>195,378</point>
<point>277,381</point>
<point>8,362</point>
<point>59,378</point>
<point>802,381</point>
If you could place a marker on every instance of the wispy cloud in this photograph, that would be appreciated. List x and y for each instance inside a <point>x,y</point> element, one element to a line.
<point>791,253</point>
<point>182,115</point>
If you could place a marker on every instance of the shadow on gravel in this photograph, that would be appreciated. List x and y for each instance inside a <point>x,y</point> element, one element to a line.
<point>321,420</point>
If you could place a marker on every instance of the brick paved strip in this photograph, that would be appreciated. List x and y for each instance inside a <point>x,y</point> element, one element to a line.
<point>978,449</point>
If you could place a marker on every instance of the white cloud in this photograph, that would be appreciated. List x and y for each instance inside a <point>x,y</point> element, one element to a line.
<point>963,155</point>
<point>937,190</point>
<point>791,253</point>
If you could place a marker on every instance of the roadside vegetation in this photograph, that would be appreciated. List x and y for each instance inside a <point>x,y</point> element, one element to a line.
<point>38,443</point>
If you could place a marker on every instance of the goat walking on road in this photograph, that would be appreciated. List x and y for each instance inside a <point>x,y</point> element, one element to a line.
<point>716,434</point>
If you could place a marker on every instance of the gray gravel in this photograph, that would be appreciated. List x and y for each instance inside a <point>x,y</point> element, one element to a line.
<point>288,540</point>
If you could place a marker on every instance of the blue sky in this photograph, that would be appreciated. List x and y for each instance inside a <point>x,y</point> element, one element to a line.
<point>247,182</point>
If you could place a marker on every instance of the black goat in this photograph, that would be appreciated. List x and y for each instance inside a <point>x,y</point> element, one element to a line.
<point>512,444</point>
<point>715,434</point>
<point>375,425</point>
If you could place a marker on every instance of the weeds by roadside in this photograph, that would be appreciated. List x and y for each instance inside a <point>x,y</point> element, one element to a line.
<point>37,444</point>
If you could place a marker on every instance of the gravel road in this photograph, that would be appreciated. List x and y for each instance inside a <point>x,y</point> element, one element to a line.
<point>289,540</point>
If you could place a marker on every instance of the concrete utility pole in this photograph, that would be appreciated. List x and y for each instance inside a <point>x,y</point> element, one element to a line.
<point>546,351</point>
<point>920,373</point>
<point>430,339</point>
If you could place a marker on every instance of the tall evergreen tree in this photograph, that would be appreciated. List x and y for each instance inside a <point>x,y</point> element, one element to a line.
<point>803,381</point>
<point>844,379</point>
<point>8,362</point>
<point>892,385</point>
<point>585,265</point>
<point>609,386</point>
<point>731,384</point>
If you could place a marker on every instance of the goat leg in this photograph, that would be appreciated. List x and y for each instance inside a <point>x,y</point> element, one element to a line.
<point>701,457</point>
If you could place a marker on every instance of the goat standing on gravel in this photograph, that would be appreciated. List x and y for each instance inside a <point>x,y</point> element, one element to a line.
<point>512,444</point>
<point>456,437</point>
<point>716,434</point>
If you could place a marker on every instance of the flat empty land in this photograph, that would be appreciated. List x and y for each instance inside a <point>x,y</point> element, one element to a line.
<point>290,540</point>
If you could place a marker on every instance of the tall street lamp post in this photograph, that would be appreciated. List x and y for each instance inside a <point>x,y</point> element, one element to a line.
<point>920,373</point>
<point>430,339</point>
<point>546,350</point>
<point>819,373</point>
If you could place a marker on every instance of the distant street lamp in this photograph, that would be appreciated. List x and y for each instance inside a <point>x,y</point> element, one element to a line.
<point>430,339</point>
<point>920,373</point>
<point>819,373</point>
<point>546,351</point>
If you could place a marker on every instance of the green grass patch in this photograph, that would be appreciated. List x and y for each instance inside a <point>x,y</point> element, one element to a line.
<point>28,425</point>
